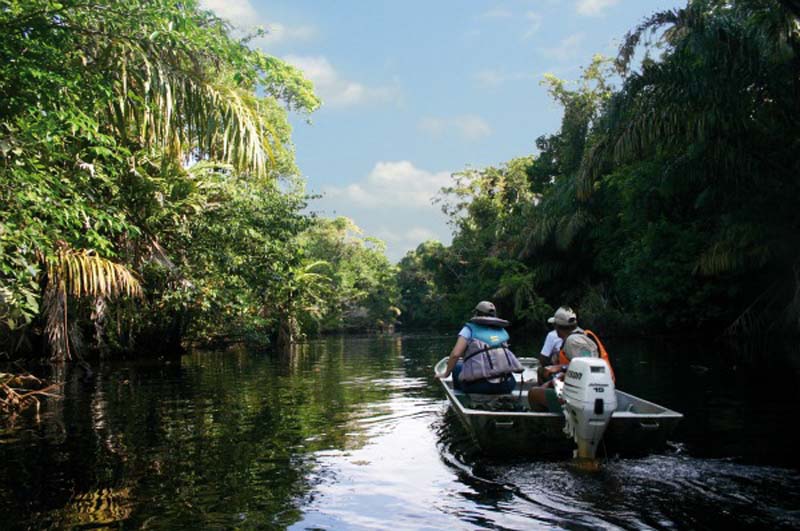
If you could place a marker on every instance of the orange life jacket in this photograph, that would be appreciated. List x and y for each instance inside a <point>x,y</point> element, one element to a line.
<point>562,356</point>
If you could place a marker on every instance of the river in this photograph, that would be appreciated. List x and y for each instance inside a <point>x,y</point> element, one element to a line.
<point>354,433</point>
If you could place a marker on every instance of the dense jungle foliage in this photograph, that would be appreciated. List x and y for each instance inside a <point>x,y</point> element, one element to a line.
<point>666,204</point>
<point>148,191</point>
<point>149,196</point>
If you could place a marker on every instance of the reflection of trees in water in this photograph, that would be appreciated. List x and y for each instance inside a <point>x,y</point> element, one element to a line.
<point>206,436</point>
<point>735,394</point>
<point>100,507</point>
<point>221,439</point>
<point>109,500</point>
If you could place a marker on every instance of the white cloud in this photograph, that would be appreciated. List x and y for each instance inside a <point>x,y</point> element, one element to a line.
<point>334,89</point>
<point>531,20</point>
<point>239,12</point>
<point>472,127</point>
<point>277,32</point>
<point>394,203</point>
<point>568,48</point>
<point>534,21</point>
<point>406,237</point>
<point>468,126</point>
<point>497,12</point>
<point>491,78</point>
<point>432,126</point>
<point>242,14</point>
<point>593,8</point>
<point>393,184</point>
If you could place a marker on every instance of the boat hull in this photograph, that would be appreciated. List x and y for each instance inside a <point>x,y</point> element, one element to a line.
<point>636,427</point>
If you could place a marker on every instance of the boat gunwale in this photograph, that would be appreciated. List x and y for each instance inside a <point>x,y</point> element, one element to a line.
<point>447,383</point>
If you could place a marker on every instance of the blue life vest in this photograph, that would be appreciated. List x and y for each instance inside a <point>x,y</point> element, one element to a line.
<point>488,355</point>
<point>494,337</point>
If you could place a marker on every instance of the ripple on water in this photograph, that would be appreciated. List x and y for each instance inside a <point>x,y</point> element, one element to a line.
<point>660,491</point>
<point>670,490</point>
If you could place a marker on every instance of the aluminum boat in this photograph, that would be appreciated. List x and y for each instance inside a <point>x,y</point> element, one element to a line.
<point>504,425</point>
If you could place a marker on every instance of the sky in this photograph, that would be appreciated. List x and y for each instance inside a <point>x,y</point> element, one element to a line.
<point>414,91</point>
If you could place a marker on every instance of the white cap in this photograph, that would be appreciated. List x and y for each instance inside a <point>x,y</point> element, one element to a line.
<point>486,308</point>
<point>564,317</point>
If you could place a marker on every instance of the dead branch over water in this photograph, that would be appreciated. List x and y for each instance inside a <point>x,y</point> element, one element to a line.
<point>19,392</point>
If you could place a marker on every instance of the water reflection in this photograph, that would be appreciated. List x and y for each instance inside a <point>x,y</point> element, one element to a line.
<point>354,434</point>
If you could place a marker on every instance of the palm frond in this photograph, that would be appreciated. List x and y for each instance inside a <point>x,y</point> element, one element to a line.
<point>79,273</point>
<point>83,273</point>
<point>719,258</point>
<point>190,91</point>
<point>176,110</point>
<point>570,226</point>
<point>737,246</point>
<point>539,234</point>
<point>703,93</point>
<point>650,25</point>
<point>594,160</point>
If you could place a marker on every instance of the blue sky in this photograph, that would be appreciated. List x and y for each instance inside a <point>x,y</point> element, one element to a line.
<point>415,90</point>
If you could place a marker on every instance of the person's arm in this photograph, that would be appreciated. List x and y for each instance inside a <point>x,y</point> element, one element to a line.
<point>547,349</point>
<point>557,369</point>
<point>455,354</point>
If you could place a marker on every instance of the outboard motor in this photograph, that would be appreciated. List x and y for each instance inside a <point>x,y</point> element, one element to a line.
<point>589,400</point>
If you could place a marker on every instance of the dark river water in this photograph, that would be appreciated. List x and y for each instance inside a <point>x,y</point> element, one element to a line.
<point>354,433</point>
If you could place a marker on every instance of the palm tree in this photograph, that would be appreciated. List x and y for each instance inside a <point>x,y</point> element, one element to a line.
<point>160,84</point>
<point>186,91</point>
<point>302,296</point>
<point>719,111</point>
<point>723,73</point>
<point>78,274</point>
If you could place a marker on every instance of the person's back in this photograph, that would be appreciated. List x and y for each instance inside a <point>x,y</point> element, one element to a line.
<point>487,356</point>
<point>584,343</point>
<point>488,364</point>
<point>579,345</point>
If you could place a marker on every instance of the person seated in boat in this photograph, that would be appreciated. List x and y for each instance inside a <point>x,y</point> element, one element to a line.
<point>488,365</point>
<point>576,342</point>
<point>549,353</point>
